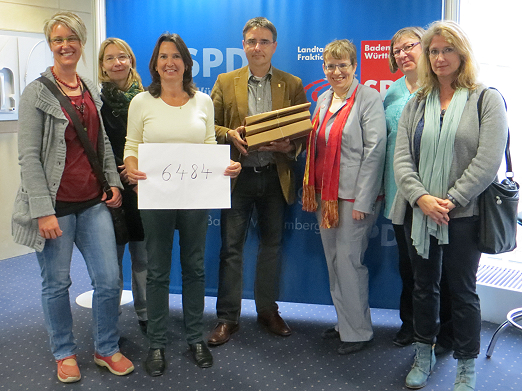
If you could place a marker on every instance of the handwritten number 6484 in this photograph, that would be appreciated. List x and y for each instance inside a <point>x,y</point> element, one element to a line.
<point>167,176</point>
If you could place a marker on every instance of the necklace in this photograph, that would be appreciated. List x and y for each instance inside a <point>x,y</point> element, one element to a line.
<point>177,102</point>
<point>343,97</point>
<point>81,107</point>
<point>64,83</point>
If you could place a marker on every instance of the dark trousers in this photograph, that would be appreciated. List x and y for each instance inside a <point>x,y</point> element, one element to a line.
<point>159,226</point>
<point>445,336</point>
<point>263,191</point>
<point>459,259</point>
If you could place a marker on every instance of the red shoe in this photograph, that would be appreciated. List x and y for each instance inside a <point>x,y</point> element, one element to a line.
<point>68,372</point>
<point>117,363</point>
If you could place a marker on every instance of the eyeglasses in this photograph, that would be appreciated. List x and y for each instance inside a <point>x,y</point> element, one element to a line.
<point>59,40</point>
<point>253,42</point>
<point>406,49</point>
<point>342,67</point>
<point>120,58</point>
<point>434,53</point>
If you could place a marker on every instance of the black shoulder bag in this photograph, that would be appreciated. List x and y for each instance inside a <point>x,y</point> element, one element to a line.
<point>498,206</point>
<point>118,216</point>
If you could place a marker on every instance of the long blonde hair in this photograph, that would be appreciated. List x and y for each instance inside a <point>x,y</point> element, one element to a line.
<point>456,37</point>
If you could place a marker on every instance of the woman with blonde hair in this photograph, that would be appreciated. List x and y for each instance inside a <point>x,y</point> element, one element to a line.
<point>404,56</point>
<point>120,84</point>
<point>61,202</point>
<point>447,153</point>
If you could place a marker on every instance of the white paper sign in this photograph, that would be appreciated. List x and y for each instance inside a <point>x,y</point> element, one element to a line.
<point>184,176</point>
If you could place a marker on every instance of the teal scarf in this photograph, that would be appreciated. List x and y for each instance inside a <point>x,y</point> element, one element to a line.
<point>436,156</point>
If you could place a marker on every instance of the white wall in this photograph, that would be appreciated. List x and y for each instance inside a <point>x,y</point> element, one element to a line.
<point>29,16</point>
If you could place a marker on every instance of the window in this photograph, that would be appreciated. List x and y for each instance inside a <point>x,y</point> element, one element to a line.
<point>492,29</point>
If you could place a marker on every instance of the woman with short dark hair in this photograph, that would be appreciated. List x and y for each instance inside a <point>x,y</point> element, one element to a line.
<point>343,185</point>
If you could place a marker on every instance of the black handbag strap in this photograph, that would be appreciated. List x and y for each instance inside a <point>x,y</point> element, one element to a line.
<point>82,134</point>
<point>509,168</point>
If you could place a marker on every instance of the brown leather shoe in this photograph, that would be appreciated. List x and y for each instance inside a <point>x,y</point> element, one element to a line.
<point>221,333</point>
<point>273,321</point>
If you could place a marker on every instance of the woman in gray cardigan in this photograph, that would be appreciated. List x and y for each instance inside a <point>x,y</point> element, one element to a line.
<point>443,161</point>
<point>61,203</point>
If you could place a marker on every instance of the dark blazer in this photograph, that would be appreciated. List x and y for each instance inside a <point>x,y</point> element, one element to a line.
<point>230,97</point>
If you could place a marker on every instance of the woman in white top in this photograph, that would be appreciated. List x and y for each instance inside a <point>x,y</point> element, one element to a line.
<point>172,111</point>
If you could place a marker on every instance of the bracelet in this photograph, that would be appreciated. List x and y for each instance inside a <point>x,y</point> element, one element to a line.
<point>453,200</point>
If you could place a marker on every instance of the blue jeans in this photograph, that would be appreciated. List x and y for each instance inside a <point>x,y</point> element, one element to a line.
<point>92,231</point>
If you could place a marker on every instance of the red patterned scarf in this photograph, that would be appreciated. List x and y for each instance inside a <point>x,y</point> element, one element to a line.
<point>330,185</point>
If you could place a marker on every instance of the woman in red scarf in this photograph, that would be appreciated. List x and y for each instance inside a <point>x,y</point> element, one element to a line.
<point>343,185</point>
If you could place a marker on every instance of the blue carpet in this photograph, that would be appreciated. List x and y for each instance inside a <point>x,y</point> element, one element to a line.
<point>253,359</point>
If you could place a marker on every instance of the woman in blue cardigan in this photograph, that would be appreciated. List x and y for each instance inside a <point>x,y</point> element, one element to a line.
<point>404,55</point>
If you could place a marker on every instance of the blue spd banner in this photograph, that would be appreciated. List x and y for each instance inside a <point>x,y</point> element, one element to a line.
<point>213,32</point>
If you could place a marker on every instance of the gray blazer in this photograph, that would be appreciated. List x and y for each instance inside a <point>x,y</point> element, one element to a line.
<point>363,146</point>
<point>41,154</point>
<point>476,158</point>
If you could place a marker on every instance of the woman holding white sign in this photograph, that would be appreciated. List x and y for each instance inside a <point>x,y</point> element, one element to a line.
<point>172,111</point>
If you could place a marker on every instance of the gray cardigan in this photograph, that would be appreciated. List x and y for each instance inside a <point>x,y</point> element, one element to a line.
<point>363,146</point>
<point>41,155</point>
<point>476,158</point>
